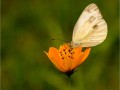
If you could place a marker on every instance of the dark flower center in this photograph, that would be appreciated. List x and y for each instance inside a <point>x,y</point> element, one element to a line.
<point>66,53</point>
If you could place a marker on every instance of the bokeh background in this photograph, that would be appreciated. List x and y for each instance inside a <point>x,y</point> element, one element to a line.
<point>28,27</point>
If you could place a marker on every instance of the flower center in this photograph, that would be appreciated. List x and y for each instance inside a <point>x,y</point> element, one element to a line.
<point>66,54</point>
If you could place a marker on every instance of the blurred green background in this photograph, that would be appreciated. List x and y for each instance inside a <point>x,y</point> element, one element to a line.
<point>27,29</point>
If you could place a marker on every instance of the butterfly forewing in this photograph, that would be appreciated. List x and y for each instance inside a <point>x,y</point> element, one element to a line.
<point>90,29</point>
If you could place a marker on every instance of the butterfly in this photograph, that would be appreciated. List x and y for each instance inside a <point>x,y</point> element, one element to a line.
<point>90,29</point>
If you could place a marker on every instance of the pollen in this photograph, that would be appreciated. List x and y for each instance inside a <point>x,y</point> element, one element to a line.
<point>66,54</point>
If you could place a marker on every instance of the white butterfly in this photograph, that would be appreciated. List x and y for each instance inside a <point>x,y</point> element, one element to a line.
<point>90,29</point>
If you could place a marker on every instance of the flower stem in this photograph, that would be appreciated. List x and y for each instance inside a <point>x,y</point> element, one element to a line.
<point>69,83</point>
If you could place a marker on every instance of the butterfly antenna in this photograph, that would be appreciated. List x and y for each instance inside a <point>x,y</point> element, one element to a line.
<point>60,40</point>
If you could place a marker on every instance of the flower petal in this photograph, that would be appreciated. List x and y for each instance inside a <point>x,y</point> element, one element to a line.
<point>53,55</point>
<point>77,57</point>
<point>67,64</point>
<point>66,61</point>
<point>80,56</point>
<point>85,54</point>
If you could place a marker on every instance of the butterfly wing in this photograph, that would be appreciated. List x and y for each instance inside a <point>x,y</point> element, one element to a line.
<point>90,29</point>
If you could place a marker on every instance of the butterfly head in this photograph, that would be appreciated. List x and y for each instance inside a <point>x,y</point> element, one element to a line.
<point>74,45</point>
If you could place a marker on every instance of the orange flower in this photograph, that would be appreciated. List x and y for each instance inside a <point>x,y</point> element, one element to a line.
<point>66,59</point>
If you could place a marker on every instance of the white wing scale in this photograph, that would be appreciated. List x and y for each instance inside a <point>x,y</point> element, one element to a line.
<point>90,29</point>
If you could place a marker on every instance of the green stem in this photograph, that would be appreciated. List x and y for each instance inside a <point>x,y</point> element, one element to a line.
<point>69,83</point>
